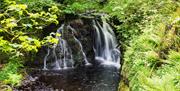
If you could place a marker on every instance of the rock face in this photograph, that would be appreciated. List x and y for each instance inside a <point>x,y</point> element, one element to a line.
<point>83,32</point>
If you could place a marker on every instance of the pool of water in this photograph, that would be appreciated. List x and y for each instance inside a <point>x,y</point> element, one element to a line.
<point>91,78</point>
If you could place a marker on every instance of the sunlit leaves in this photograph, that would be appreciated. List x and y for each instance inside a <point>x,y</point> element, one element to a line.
<point>34,15</point>
<point>43,16</point>
<point>51,40</point>
<point>29,44</point>
<point>1,15</point>
<point>23,38</point>
<point>53,9</point>
<point>20,31</point>
<point>17,7</point>
<point>5,46</point>
<point>10,2</point>
<point>37,43</point>
<point>9,22</point>
<point>58,34</point>
<point>1,30</point>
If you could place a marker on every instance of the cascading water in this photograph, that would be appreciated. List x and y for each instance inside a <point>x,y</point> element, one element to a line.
<point>61,52</point>
<point>105,44</point>
<point>104,48</point>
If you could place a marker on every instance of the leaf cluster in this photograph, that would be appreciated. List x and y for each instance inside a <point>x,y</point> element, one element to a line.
<point>20,34</point>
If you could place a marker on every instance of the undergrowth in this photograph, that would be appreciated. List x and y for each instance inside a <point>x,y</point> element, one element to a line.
<point>152,61</point>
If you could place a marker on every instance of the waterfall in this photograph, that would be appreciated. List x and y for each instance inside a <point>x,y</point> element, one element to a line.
<point>61,52</point>
<point>105,44</point>
<point>59,56</point>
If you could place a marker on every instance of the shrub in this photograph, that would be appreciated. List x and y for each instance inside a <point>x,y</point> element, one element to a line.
<point>20,30</point>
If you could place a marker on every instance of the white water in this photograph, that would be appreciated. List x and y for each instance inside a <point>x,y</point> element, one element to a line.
<point>64,59</point>
<point>104,48</point>
<point>105,44</point>
<point>61,53</point>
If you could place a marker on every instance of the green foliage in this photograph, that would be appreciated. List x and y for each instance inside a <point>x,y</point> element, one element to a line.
<point>20,31</point>
<point>38,5</point>
<point>13,79</point>
<point>9,74</point>
<point>80,6</point>
<point>19,26</point>
<point>149,29</point>
<point>152,61</point>
<point>133,15</point>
